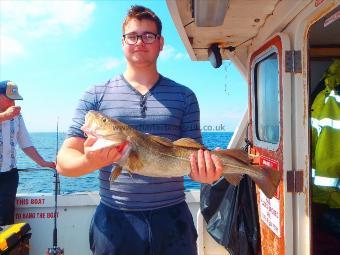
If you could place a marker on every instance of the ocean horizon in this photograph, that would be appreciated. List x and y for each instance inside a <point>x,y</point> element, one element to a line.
<point>34,179</point>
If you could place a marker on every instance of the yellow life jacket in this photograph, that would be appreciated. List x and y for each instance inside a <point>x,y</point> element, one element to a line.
<point>326,140</point>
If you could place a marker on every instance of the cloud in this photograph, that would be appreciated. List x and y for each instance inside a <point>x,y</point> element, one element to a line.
<point>10,49</point>
<point>111,63</point>
<point>24,22</point>
<point>104,64</point>
<point>179,55</point>
<point>45,18</point>
<point>170,52</point>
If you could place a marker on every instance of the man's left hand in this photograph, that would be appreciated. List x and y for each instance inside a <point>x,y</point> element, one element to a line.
<point>205,167</point>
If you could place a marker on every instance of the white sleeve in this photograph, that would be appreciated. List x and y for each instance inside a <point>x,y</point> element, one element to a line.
<point>24,139</point>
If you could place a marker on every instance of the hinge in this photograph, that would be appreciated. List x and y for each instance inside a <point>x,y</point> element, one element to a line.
<point>295,181</point>
<point>293,61</point>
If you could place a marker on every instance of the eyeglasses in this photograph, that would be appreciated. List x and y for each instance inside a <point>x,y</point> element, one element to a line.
<point>146,38</point>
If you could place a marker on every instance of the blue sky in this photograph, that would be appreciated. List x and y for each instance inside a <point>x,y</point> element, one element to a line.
<point>55,50</point>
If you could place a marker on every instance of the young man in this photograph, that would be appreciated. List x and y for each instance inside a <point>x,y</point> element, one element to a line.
<point>12,132</point>
<point>138,214</point>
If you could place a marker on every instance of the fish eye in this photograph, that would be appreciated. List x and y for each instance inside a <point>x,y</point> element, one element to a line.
<point>104,119</point>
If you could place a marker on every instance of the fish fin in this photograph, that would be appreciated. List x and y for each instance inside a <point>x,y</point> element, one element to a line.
<point>270,182</point>
<point>233,179</point>
<point>161,140</point>
<point>188,143</point>
<point>133,161</point>
<point>115,173</point>
<point>237,154</point>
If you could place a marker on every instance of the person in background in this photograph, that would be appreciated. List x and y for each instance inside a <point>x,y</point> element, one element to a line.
<point>138,214</point>
<point>325,150</point>
<point>12,132</point>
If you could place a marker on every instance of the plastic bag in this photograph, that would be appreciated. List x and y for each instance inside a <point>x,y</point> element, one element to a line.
<point>231,215</point>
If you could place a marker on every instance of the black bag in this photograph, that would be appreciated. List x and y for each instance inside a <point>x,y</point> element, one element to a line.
<point>231,215</point>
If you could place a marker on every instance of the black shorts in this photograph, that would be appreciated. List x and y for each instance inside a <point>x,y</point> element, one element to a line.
<point>165,231</point>
<point>8,189</point>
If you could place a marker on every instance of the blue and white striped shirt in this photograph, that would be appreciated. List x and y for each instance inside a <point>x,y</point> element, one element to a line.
<point>169,109</point>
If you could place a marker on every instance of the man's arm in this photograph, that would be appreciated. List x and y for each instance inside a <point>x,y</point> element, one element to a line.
<point>36,157</point>
<point>75,157</point>
<point>10,113</point>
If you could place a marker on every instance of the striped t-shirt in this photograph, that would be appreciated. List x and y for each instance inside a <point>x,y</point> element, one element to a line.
<point>168,109</point>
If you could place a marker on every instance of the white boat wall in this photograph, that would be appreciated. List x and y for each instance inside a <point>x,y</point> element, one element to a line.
<point>300,37</point>
<point>74,215</point>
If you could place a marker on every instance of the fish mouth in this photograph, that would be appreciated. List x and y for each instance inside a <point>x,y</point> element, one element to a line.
<point>87,131</point>
<point>94,133</point>
<point>91,132</point>
<point>102,141</point>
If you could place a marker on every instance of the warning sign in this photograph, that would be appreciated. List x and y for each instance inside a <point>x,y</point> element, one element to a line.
<point>270,208</point>
<point>270,213</point>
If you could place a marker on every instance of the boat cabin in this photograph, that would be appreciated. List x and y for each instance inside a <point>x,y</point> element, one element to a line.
<point>282,48</point>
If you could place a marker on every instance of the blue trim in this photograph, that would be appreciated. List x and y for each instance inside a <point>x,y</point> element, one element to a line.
<point>12,143</point>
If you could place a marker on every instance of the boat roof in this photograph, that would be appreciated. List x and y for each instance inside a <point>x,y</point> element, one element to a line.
<point>241,23</point>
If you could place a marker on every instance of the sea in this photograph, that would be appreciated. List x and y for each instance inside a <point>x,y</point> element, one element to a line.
<point>34,179</point>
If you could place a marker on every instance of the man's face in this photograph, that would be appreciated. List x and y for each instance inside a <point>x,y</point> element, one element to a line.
<point>5,103</point>
<point>142,54</point>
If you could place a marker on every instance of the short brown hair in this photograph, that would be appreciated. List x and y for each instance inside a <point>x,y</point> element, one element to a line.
<point>140,12</point>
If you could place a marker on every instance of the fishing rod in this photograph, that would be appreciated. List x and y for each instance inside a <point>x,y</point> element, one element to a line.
<point>55,250</point>
<point>29,169</point>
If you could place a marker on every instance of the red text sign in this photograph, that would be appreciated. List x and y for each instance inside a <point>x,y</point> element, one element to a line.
<point>272,163</point>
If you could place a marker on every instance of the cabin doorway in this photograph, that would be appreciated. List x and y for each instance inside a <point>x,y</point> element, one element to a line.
<point>324,49</point>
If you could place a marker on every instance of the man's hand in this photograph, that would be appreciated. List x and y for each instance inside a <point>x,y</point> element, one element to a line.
<point>48,164</point>
<point>79,156</point>
<point>12,112</point>
<point>37,158</point>
<point>102,157</point>
<point>205,167</point>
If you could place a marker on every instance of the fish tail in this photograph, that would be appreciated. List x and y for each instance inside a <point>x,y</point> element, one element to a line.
<point>233,179</point>
<point>268,181</point>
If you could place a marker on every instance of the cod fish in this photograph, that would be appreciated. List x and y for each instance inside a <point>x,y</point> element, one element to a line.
<point>155,156</point>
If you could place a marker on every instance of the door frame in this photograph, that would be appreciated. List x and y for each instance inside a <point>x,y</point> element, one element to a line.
<point>281,152</point>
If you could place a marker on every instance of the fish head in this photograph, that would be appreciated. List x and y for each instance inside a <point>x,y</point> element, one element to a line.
<point>101,126</point>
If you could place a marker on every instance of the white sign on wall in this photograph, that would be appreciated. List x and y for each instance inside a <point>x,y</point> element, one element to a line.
<point>270,212</point>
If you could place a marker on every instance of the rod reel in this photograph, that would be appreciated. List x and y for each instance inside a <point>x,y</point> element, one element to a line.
<point>55,251</point>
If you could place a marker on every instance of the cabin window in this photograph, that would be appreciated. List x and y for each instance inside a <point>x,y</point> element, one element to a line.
<point>267,99</point>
